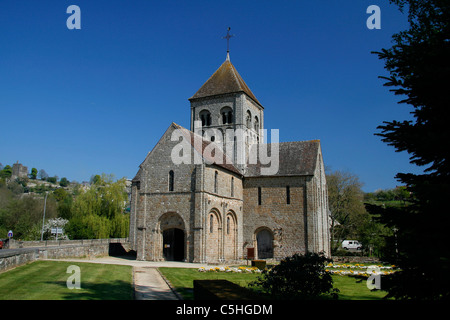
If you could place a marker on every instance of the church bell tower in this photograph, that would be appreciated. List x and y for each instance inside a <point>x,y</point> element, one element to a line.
<point>228,112</point>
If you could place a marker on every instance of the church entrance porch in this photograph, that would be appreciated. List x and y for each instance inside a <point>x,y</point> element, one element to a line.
<point>170,238</point>
<point>173,244</point>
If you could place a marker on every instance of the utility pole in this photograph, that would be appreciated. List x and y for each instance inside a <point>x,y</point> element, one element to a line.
<point>43,218</point>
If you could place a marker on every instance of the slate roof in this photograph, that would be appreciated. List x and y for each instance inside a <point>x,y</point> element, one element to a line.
<point>225,80</point>
<point>297,158</point>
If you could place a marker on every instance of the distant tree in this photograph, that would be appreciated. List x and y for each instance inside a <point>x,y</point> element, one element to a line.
<point>95,179</point>
<point>64,203</point>
<point>64,182</point>
<point>52,179</point>
<point>24,216</point>
<point>345,198</point>
<point>42,174</point>
<point>33,173</point>
<point>6,172</point>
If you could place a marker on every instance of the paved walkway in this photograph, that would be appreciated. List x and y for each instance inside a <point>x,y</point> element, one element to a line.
<point>148,282</point>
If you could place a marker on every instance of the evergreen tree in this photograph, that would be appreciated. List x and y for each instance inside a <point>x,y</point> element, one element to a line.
<point>419,68</point>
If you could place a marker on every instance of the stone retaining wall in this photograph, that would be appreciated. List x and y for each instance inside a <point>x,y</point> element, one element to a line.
<point>91,248</point>
<point>355,259</point>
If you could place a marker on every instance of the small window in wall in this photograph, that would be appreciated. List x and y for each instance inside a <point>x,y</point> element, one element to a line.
<point>211,223</point>
<point>288,195</point>
<point>215,182</point>
<point>228,225</point>
<point>249,120</point>
<point>232,186</point>
<point>259,195</point>
<point>171,178</point>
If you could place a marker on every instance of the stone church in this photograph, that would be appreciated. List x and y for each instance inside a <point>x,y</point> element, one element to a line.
<point>219,204</point>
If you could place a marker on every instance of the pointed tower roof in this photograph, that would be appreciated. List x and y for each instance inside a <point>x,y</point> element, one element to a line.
<point>225,80</point>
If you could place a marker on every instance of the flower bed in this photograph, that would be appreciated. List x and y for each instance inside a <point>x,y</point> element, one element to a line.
<point>230,269</point>
<point>338,269</point>
<point>360,269</point>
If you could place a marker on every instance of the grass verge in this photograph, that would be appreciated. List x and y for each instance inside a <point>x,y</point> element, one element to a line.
<point>47,280</point>
<point>182,280</point>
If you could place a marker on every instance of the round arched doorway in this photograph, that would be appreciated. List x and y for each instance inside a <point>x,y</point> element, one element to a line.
<point>173,237</point>
<point>264,242</point>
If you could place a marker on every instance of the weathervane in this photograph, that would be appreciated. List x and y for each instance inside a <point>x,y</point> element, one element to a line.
<point>228,36</point>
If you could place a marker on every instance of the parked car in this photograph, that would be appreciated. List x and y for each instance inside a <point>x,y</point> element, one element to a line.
<point>1,244</point>
<point>351,244</point>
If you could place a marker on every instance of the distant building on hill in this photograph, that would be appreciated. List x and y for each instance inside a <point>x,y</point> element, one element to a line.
<point>19,171</point>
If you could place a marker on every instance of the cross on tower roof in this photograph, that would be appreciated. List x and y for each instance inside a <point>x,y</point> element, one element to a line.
<point>228,36</point>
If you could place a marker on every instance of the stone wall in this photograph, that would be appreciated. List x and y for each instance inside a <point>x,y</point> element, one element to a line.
<point>15,244</point>
<point>284,221</point>
<point>92,248</point>
<point>354,259</point>
<point>9,261</point>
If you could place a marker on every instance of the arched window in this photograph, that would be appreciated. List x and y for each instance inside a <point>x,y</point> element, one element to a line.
<point>228,225</point>
<point>256,124</point>
<point>215,182</point>
<point>227,115</point>
<point>249,119</point>
<point>211,223</point>
<point>205,117</point>
<point>171,179</point>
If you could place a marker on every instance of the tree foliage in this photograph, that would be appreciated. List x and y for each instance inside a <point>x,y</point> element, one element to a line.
<point>419,66</point>
<point>93,212</point>
<point>298,277</point>
<point>6,172</point>
<point>347,212</point>
<point>23,214</point>
<point>99,211</point>
<point>33,174</point>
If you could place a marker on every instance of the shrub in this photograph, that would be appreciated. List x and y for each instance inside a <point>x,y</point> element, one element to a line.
<point>298,277</point>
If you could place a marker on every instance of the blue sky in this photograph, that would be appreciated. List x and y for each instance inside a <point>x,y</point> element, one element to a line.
<point>96,100</point>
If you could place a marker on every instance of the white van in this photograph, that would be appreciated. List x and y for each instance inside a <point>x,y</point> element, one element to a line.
<point>351,244</point>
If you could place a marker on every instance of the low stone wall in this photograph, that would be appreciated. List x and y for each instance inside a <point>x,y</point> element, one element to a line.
<point>15,244</point>
<point>354,259</point>
<point>63,252</point>
<point>88,248</point>
<point>13,260</point>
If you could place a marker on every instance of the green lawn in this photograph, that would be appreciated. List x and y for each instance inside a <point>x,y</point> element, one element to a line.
<point>353,289</point>
<point>182,279</point>
<point>47,280</point>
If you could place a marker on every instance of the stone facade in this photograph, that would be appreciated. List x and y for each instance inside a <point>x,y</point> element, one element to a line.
<point>19,171</point>
<point>213,211</point>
